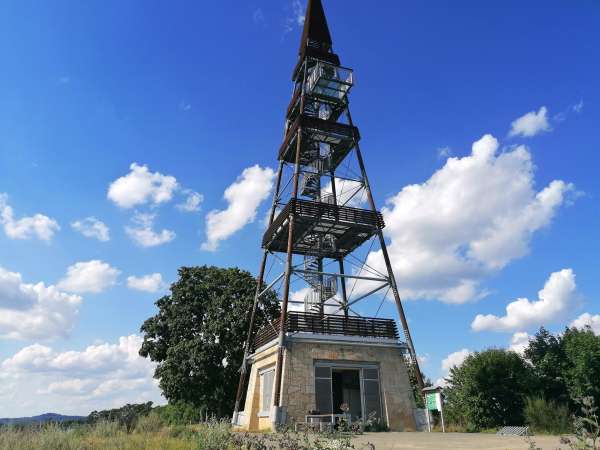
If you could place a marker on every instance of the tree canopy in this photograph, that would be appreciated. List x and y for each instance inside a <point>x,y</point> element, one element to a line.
<point>198,333</point>
<point>489,389</point>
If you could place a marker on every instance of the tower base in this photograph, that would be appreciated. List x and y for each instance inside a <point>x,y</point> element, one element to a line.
<point>328,379</point>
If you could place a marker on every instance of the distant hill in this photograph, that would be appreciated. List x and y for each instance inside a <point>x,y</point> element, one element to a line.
<point>48,417</point>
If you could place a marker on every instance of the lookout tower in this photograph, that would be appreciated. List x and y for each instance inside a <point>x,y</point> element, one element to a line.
<point>322,360</point>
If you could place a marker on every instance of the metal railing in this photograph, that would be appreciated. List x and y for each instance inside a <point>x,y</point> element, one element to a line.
<point>309,322</point>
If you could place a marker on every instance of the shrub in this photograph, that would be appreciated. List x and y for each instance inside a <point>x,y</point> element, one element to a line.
<point>179,413</point>
<point>214,435</point>
<point>547,416</point>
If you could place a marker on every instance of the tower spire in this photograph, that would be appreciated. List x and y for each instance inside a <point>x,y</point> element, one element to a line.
<point>316,32</point>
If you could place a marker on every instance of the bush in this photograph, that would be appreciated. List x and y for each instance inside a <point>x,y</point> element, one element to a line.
<point>214,435</point>
<point>547,416</point>
<point>179,413</point>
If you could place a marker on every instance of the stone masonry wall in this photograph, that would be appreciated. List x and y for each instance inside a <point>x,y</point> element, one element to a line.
<point>298,393</point>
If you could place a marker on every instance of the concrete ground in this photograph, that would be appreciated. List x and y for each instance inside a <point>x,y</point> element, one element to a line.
<point>455,441</point>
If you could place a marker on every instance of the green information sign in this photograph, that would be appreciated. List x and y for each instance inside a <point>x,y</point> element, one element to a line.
<point>431,401</point>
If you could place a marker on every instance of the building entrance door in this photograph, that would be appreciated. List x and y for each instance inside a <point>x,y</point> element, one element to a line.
<point>355,385</point>
<point>345,386</point>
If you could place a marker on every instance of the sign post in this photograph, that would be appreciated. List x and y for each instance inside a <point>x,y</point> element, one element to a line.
<point>433,402</point>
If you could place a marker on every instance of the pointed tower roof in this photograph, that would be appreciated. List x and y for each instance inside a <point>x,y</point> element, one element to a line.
<point>316,40</point>
<point>315,30</point>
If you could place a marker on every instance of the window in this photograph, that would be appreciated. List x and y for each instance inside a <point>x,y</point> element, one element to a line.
<point>266,390</point>
<point>371,392</point>
<point>323,400</point>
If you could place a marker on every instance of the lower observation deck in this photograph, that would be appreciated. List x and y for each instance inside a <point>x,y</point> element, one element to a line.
<point>328,324</point>
<point>343,229</point>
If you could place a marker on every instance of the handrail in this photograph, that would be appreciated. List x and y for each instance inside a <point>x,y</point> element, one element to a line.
<point>297,321</point>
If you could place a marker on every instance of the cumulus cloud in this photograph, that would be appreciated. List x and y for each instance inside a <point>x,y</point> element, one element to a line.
<point>587,320</point>
<point>455,359</point>
<point>452,360</point>
<point>531,123</point>
<point>553,301</point>
<point>143,234</point>
<point>91,276</point>
<point>40,226</point>
<point>147,283</point>
<point>76,381</point>
<point>244,197</point>
<point>519,342</point>
<point>34,311</point>
<point>470,219</point>
<point>348,192</point>
<point>142,186</point>
<point>92,228</point>
<point>192,202</point>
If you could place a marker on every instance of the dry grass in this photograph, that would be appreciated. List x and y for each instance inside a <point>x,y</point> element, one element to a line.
<point>109,435</point>
<point>151,434</point>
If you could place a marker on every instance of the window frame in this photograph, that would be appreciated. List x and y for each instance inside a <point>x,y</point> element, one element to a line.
<point>261,374</point>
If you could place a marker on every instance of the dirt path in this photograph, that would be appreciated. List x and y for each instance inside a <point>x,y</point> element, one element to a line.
<point>455,441</point>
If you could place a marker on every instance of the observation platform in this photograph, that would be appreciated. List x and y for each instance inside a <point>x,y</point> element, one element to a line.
<point>344,227</point>
<point>329,324</point>
<point>326,85</point>
<point>340,137</point>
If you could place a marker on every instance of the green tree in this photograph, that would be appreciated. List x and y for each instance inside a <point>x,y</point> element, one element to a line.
<point>546,354</point>
<point>198,334</point>
<point>488,390</point>
<point>582,368</point>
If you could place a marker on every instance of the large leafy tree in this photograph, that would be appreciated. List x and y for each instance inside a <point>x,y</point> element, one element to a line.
<point>582,371</point>
<point>567,366</point>
<point>488,389</point>
<point>198,333</point>
<point>546,354</point>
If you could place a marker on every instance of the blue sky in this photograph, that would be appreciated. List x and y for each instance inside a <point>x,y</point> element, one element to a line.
<point>196,93</point>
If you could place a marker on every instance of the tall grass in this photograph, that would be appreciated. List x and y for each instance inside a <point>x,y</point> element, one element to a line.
<point>152,434</point>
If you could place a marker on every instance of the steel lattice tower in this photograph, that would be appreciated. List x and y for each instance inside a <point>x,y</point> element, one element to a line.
<point>318,223</point>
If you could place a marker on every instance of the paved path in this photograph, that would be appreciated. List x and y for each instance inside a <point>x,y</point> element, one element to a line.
<point>455,441</point>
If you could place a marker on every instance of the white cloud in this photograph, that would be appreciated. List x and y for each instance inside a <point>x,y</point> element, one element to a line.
<point>452,360</point>
<point>531,123</point>
<point>244,197</point>
<point>296,17</point>
<point>92,228</point>
<point>455,359</point>
<point>348,192</point>
<point>578,107</point>
<point>101,376</point>
<point>586,319</point>
<point>470,219</point>
<point>141,186</point>
<point>519,342</point>
<point>90,276</point>
<point>192,202</point>
<point>143,234</point>
<point>554,300</point>
<point>34,311</point>
<point>147,283</point>
<point>38,225</point>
